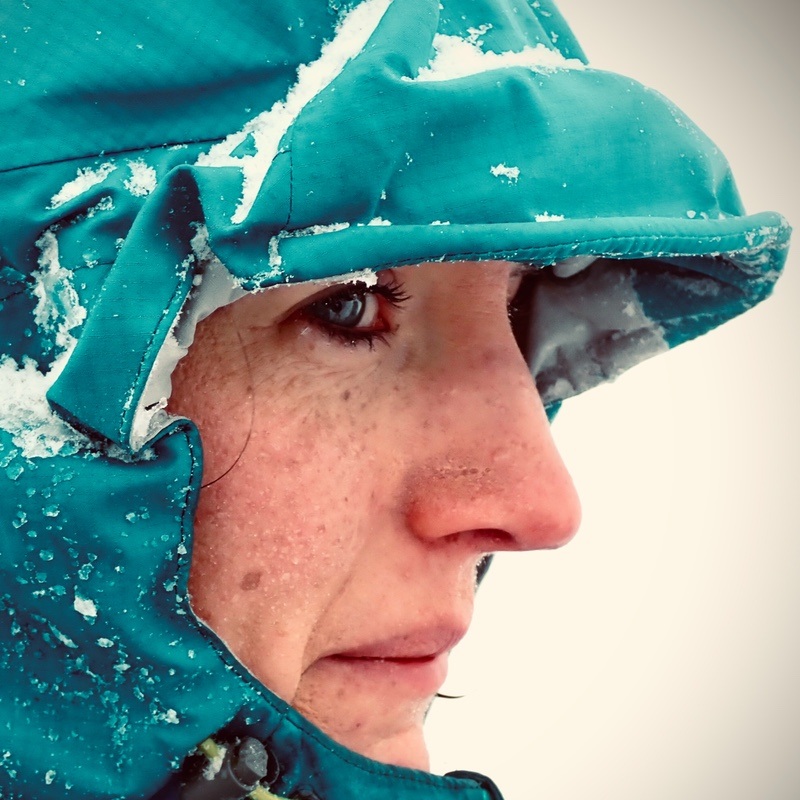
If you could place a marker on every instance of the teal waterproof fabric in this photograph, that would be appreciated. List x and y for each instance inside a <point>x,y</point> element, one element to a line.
<point>157,158</point>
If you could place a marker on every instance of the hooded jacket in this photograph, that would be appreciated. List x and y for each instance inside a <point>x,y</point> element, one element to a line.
<point>157,162</point>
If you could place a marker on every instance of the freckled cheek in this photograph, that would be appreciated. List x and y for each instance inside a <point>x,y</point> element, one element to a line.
<point>285,524</point>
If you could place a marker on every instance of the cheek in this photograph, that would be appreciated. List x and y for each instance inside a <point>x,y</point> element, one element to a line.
<point>279,535</point>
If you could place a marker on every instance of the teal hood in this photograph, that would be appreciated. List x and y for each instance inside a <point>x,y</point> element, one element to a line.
<point>157,162</point>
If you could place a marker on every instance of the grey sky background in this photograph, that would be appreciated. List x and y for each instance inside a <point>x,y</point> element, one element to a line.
<point>657,655</point>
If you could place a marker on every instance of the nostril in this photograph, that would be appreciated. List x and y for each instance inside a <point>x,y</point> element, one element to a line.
<point>496,539</point>
<point>486,540</point>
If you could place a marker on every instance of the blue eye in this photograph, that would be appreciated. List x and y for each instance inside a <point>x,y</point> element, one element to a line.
<point>352,308</point>
<point>356,313</point>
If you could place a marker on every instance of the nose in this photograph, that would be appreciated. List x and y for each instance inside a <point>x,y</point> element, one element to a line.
<point>489,470</point>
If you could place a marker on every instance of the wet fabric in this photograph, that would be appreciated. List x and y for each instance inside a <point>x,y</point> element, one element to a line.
<point>160,160</point>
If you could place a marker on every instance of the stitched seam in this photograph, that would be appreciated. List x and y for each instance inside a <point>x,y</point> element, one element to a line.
<point>184,512</point>
<point>28,279</point>
<point>109,154</point>
<point>129,411</point>
<point>709,239</point>
<point>535,8</point>
<point>291,180</point>
<point>18,292</point>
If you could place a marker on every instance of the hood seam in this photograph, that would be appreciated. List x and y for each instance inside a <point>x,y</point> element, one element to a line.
<point>112,153</point>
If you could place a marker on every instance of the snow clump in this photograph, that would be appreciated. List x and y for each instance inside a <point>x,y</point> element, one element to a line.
<point>85,606</point>
<point>85,180</point>
<point>143,178</point>
<point>275,258</point>
<point>501,170</point>
<point>58,308</point>
<point>24,411</point>
<point>455,57</point>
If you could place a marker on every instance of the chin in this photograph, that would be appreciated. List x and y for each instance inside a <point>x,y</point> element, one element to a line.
<point>404,749</point>
<point>401,744</point>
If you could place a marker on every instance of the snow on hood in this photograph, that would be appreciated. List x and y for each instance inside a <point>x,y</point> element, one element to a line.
<point>267,129</point>
<point>455,57</point>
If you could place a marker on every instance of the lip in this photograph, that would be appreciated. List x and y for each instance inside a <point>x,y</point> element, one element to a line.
<point>417,645</point>
<point>413,663</point>
<point>414,677</point>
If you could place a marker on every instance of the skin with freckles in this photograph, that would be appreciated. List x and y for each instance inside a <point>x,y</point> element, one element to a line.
<point>364,448</point>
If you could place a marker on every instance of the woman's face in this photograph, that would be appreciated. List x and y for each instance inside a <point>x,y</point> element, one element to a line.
<point>364,448</point>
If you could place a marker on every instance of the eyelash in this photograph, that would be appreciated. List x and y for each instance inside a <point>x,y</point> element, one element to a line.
<point>390,293</point>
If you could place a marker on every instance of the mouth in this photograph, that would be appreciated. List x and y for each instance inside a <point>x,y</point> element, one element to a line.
<point>417,676</point>
<point>414,663</point>
<point>418,645</point>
